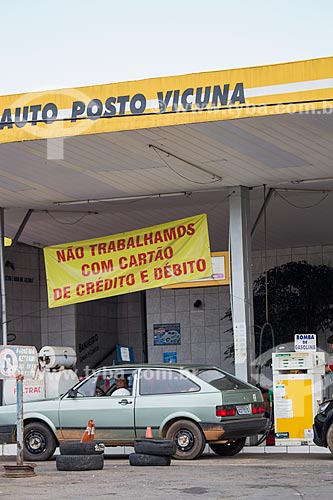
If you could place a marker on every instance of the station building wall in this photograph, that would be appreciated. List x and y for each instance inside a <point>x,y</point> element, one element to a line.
<point>93,328</point>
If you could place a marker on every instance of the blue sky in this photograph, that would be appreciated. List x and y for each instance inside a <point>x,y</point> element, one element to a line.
<point>49,44</point>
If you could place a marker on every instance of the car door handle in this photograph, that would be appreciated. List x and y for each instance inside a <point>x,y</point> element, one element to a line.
<point>125,402</point>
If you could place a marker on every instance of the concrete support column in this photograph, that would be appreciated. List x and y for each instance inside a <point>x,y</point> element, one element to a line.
<point>241,281</point>
<point>2,279</point>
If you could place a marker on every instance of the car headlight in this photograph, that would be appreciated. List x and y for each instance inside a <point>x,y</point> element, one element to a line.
<point>323,407</point>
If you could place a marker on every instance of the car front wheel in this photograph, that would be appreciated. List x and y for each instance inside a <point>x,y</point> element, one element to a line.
<point>189,439</point>
<point>39,442</point>
<point>228,449</point>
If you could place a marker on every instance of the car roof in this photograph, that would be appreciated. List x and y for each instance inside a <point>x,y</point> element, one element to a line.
<point>130,366</point>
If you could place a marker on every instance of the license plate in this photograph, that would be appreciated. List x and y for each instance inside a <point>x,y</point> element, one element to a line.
<point>244,410</point>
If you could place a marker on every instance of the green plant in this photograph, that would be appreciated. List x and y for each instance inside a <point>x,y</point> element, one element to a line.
<point>300,300</point>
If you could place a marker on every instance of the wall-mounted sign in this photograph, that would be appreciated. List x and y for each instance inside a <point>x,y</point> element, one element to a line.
<point>170,357</point>
<point>220,275</point>
<point>167,334</point>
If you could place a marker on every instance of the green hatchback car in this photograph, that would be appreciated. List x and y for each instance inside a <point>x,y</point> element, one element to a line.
<point>189,404</point>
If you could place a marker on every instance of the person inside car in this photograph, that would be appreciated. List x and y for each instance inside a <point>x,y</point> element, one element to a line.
<point>122,387</point>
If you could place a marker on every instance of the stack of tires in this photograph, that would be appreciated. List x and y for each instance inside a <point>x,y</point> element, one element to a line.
<point>150,451</point>
<point>77,456</point>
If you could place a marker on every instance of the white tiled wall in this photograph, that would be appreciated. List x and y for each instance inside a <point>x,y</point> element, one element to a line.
<point>58,323</point>
<point>204,334</point>
<point>130,323</point>
<point>23,296</point>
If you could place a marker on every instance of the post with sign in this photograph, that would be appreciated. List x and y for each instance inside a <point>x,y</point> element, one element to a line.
<point>19,362</point>
<point>19,421</point>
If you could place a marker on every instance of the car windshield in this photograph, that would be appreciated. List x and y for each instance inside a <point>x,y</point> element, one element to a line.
<point>220,380</point>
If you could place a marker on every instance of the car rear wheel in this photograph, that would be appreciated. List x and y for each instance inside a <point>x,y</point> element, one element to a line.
<point>189,439</point>
<point>39,442</point>
<point>228,449</point>
<point>329,438</point>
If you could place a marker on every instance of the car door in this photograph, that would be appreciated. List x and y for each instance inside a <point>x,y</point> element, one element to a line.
<point>113,416</point>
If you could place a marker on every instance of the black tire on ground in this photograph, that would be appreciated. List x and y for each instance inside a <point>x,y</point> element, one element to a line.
<point>189,439</point>
<point>39,442</point>
<point>329,438</point>
<point>228,449</point>
<point>144,459</point>
<point>162,447</point>
<point>78,448</point>
<point>79,462</point>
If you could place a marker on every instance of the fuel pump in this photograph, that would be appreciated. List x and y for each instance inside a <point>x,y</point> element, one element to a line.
<point>297,391</point>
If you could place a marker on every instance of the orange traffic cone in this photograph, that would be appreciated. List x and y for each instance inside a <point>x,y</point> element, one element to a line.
<point>86,435</point>
<point>149,432</point>
<point>92,433</point>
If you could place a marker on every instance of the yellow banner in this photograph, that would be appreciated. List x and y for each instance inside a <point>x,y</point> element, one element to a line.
<point>301,86</point>
<point>128,262</point>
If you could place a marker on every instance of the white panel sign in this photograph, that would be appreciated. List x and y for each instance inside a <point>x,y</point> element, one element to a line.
<point>305,342</point>
<point>18,360</point>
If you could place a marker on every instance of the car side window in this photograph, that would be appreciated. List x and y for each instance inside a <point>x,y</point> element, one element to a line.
<point>88,387</point>
<point>95,385</point>
<point>110,386</point>
<point>165,382</point>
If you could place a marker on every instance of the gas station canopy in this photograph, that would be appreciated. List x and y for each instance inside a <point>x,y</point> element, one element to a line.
<point>101,160</point>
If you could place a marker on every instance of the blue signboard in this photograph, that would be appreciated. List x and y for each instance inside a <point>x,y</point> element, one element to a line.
<point>170,357</point>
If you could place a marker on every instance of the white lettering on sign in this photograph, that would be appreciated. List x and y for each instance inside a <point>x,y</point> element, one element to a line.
<point>305,342</point>
<point>18,360</point>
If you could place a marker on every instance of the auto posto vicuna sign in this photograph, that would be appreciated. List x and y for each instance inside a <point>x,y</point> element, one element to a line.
<point>146,258</point>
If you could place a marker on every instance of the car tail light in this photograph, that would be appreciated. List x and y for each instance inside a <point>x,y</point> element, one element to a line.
<point>226,411</point>
<point>258,409</point>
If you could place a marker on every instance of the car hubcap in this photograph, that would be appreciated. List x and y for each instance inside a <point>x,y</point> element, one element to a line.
<point>35,442</point>
<point>184,439</point>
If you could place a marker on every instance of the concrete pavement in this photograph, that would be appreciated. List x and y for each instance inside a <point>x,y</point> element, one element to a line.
<point>246,476</point>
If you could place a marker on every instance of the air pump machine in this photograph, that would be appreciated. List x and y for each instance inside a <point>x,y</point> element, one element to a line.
<point>297,391</point>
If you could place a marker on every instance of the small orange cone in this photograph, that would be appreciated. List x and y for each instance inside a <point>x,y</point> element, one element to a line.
<point>149,432</point>
<point>92,433</point>
<point>86,435</point>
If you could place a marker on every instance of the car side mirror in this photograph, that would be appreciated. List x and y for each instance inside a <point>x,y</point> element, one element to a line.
<point>72,393</point>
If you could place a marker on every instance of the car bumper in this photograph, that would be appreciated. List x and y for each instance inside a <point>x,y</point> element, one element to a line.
<point>318,434</point>
<point>316,439</point>
<point>7,433</point>
<point>233,429</point>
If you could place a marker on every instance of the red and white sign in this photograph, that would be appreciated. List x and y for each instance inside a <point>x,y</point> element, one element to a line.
<point>8,363</point>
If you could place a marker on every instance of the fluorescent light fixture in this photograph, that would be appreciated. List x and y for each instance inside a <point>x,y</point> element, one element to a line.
<point>123,198</point>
